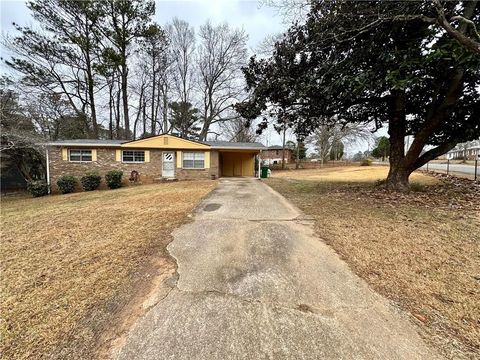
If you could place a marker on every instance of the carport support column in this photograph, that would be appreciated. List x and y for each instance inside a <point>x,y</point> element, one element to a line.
<point>47,162</point>
<point>259,165</point>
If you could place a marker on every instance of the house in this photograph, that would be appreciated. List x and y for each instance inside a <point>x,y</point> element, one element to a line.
<point>154,158</point>
<point>273,155</point>
<point>465,151</point>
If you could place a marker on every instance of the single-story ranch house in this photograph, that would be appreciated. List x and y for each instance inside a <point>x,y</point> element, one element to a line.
<point>154,158</point>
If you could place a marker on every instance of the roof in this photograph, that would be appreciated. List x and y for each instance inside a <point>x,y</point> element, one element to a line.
<point>235,145</point>
<point>126,143</point>
<point>277,147</point>
<point>82,142</point>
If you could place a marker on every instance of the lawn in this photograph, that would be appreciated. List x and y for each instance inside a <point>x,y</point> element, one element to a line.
<point>421,249</point>
<point>71,263</point>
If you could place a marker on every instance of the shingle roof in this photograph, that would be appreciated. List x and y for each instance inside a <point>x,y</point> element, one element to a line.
<point>277,147</point>
<point>213,144</point>
<point>81,142</point>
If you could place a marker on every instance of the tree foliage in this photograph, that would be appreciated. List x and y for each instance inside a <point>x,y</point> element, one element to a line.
<point>374,62</point>
<point>382,148</point>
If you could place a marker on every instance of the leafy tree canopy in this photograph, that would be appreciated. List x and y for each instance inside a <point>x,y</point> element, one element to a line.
<point>374,62</point>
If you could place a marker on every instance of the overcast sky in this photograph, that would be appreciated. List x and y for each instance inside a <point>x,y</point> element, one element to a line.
<point>258,21</point>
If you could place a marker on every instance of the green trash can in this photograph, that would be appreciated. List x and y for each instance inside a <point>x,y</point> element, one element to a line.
<point>264,172</point>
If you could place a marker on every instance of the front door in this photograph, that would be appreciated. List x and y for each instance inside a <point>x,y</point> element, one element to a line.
<point>168,164</point>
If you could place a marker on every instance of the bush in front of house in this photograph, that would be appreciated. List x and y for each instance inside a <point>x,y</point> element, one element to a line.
<point>114,179</point>
<point>66,184</point>
<point>37,188</point>
<point>90,181</point>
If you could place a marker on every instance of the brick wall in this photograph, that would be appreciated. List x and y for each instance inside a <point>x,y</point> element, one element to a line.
<point>277,154</point>
<point>191,174</point>
<point>148,171</point>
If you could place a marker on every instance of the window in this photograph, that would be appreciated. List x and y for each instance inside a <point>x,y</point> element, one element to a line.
<point>133,156</point>
<point>80,155</point>
<point>193,160</point>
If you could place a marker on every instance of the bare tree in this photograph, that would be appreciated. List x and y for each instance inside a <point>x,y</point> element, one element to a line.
<point>327,138</point>
<point>182,44</point>
<point>221,54</point>
<point>238,130</point>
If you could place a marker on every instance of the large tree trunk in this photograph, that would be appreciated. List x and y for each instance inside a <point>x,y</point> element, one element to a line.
<point>399,173</point>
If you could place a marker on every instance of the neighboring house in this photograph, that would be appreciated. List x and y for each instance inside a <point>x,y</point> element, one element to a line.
<point>273,155</point>
<point>154,158</point>
<point>465,151</point>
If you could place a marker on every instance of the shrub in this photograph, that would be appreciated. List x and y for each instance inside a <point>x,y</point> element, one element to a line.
<point>114,179</point>
<point>90,181</point>
<point>37,188</point>
<point>66,184</point>
<point>366,162</point>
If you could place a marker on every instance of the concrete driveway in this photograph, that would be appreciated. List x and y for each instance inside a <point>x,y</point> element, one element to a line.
<point>254,282</point>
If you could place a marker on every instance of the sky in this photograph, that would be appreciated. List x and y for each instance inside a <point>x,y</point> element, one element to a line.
<point>258,22</point>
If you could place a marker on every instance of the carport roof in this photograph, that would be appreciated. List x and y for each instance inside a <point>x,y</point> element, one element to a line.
<point>235,145</point>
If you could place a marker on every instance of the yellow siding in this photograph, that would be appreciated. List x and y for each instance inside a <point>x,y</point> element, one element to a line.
<point>118,155</point>
<point>237,164</point>
<point>65,154</point>
<point>207,159</point>
<point>147,156</point>
<point>165,142</point>
<point>94,154</point>
<point>179,159</point>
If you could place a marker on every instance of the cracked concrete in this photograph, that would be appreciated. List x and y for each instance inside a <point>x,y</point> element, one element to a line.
<point>254,282</point>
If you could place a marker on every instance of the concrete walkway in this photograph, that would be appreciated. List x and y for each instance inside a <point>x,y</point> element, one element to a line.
<point>255,283</point>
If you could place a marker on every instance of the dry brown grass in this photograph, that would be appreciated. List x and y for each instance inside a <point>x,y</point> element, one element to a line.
<point>69,262</point>
<point>421,249</point>
<point>349,174</point>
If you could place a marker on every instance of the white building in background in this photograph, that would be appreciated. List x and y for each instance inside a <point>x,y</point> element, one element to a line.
<point>465,151</point>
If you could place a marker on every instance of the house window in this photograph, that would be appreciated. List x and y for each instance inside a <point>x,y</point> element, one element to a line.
<point>80,155</point>
<point>193,160</point>
<point>133,156</point>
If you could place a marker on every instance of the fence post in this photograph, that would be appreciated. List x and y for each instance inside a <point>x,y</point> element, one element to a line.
<point>448,165</point>
<point>476,169</point>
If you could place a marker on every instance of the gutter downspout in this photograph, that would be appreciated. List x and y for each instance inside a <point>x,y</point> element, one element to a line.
<point>48,168</point>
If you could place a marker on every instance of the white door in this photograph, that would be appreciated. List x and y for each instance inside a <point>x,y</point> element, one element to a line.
<point>168,164</point>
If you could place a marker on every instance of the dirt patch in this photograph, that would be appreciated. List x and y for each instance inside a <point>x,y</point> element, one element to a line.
<point>420,249</point>
<point>75,266</point>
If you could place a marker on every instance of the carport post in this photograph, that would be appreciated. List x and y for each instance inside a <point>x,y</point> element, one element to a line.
<point>48,168</point>
<point>259,164</point>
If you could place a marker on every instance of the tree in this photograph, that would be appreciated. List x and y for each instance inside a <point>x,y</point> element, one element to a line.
<point>154,63</point>
<point>182,44</point>
<point>336,152</point>
<point>330,139</point>
<point>62,58</point>
<point>19,139</point>
<point>382,148</point>
<point>184,119</point>
<point>238,130</point>
<point>221,54</point>
<point>126,23</point>
<point>375,62</point>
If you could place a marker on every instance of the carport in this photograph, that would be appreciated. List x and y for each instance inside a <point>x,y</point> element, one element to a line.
<point>236,158</point>
<point>237,163</point>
